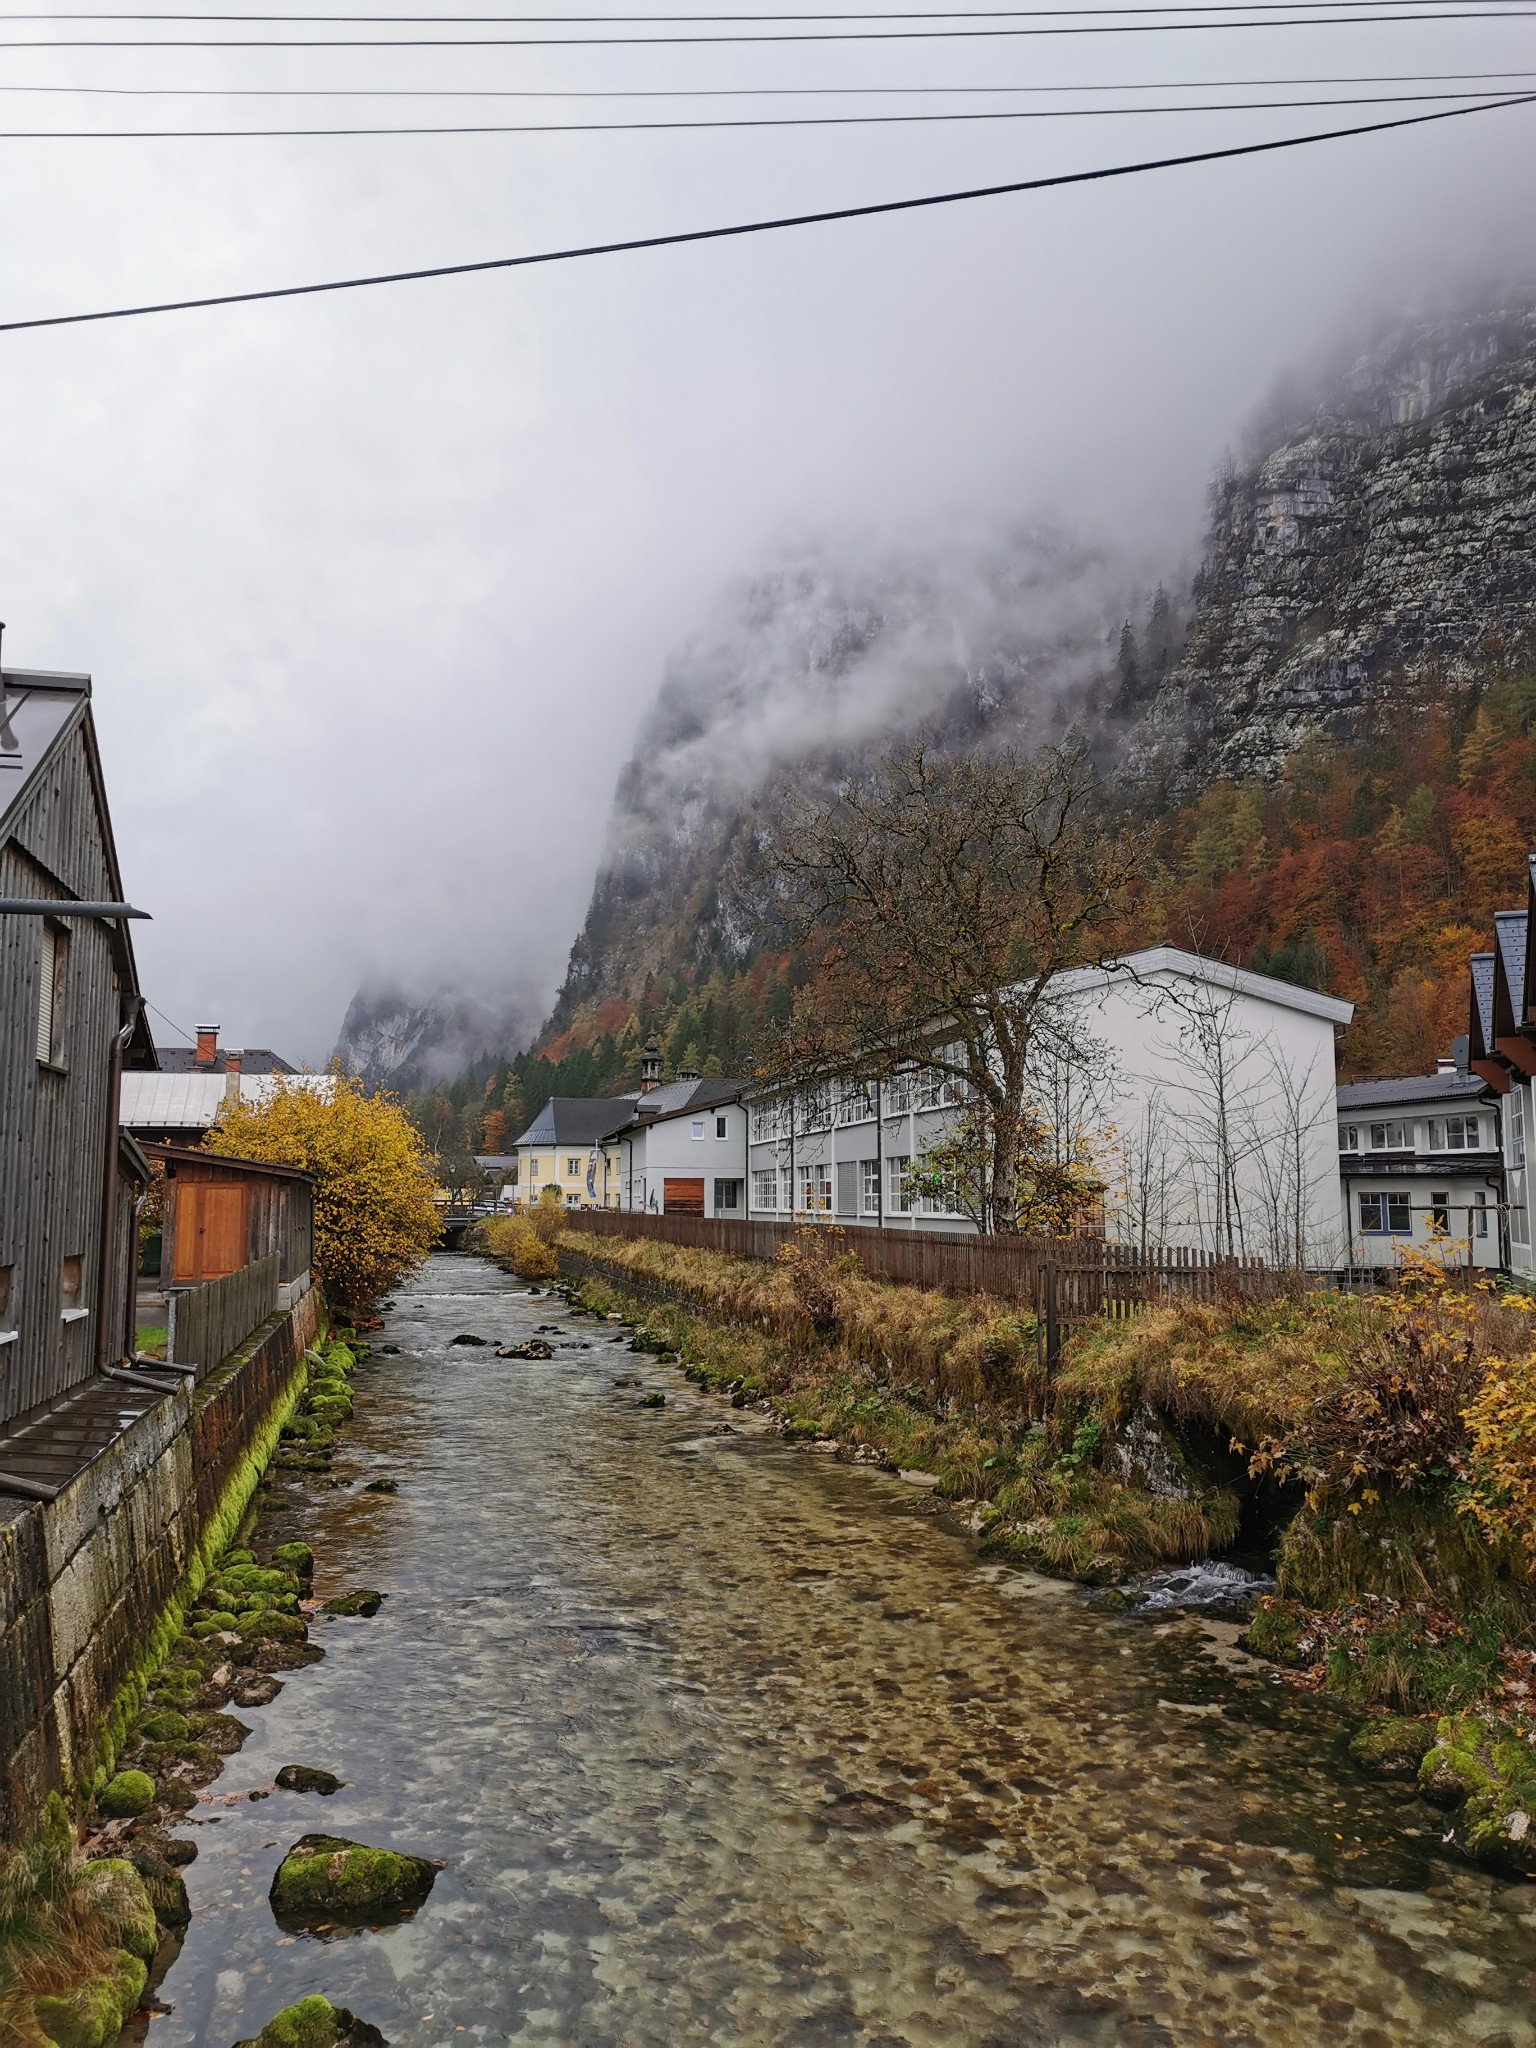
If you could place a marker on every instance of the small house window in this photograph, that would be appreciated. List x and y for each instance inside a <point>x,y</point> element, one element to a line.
<point>1517,1125</point>
<point>816,1190</point>
<point>727,1197</point>
<point>1480,1215</point>
<point>52,995</point>
<point>1453,1134</point>
<point>1392,1137</point>
<point>1386,1215</point>
<point>533,1171</point>
<point>720,1127</point>
<point>698,1127</point>
<point>573,1169</point>
<point>1349,1137</point>
<point>1440,1214</point>
<point>765,1188</point>
<point>72,1288</point>
<point>869,1187</point>
<point>898,1184</point>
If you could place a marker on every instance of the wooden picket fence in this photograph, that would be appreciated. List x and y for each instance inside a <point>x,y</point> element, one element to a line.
<point>1064,1281</point>
<point>208,1322</point>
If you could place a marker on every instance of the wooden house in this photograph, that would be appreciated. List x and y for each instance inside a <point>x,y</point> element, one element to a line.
<point>70,1018</point>
<point>225,1214</point>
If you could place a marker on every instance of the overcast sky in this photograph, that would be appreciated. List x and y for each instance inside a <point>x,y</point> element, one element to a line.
<point>375,588</point>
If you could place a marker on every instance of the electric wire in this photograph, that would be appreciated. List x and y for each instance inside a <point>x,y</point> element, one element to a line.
<point>722,123</point>
<point>1481,11</point>
<point>672,20</point>
<point>738,229</point>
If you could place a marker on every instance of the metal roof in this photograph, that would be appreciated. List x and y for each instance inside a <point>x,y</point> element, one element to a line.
<point>1509,937</point>
<point>678,1098</point>
<point>195,1156</point>
<point>1425,1088</point>
<point>189,1102</point>
<point>576,1119</point>
<point>1482,995</point>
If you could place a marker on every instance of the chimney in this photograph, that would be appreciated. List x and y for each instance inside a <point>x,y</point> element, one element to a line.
<point>207,1045</point>
<point>650,1066</point>
<point>688,1073</point>
<point>1445,1066</point>
<point>232,1059</point>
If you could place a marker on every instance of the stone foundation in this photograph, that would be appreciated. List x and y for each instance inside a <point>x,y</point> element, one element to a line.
<point>89,1581</point>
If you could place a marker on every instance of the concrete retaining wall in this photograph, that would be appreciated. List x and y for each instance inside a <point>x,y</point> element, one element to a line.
<point>85,1580</point>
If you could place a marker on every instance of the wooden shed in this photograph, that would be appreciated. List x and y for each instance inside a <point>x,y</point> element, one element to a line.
<point>70,1019</point>
<point>223,1214</point>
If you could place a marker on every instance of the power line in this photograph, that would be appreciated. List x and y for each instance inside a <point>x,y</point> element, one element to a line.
<point>1429,11</point>
<point>672,20</point>
<point>761,227</point>
<point>761,121</point>
<point>735,92</point>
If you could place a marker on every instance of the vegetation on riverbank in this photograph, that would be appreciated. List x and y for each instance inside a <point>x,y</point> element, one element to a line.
<point>1380,1447</point>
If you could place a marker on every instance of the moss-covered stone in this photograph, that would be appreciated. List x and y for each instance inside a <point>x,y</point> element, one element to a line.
<point>128,1794</point>
<point>88,2017</point>
<point>326,1877</point>
<point>129,1974</point>
<point>1457,1767</point>
<point>1393,1746</point>
<point>363,1601</point>
<point>1500,1827</point>
<point>1275,1632</point>
<point>297,1558</point>
<point>119,1904</point>
<point>268,1626</point>
<point>165,1727</point>
<point>315,2023</point>
<point>305,1778</point>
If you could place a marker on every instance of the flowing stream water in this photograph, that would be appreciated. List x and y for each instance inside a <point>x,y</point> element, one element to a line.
<point>721,1741</point>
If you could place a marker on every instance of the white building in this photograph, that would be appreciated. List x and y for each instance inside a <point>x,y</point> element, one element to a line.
<point>1205,1092</point>
<point>683,1151</point>
<point>1421,1162</point>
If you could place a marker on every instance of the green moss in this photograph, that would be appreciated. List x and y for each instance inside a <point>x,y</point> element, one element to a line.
<point>166,1727</point>
<point>341,1358</point>
<point>89,2017</point>
<point>1403,1547</point>
<point>128,1794</point>
<point>1275,1632</point>
<point>364,1601</point>
<point>312,2023</point>
<point>273,1628</point>
<point>326,1876</point>
<point>129,1973</point>
<point>115,1894</point>
<point>1392,1746</point>
<point>1447,1776</point>
<point>297,1558</point>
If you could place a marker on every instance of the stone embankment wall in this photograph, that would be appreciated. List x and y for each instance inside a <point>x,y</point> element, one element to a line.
<point>90,1582</point>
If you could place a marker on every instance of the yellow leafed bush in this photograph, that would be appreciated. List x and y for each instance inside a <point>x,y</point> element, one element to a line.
<point>1501,1422</point>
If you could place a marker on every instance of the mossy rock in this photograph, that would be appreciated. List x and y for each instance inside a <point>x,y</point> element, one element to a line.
<point>296,1558</point>
<point>165,1727</point>
<point>382,1486</point>
<point>305,1778</point>
<point>176,1681</point>
<point>315,2023</point>
<point>364,1601</point>
<point>1447,1776</point>
<point>1500,1827</point>
<point>126,1796</point>
<point>273,1628</point>
<point>91,2016</point>
<point>327,1877</point>
<point>115,1894</point>
<point>652,1401</point>
<point>1275,1633</point>
<point>341,1358</point>
<point>1393,1746</point>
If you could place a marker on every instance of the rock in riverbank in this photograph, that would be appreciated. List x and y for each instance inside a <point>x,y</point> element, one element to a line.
<point>327,1877</point>
<point>316,2023</point>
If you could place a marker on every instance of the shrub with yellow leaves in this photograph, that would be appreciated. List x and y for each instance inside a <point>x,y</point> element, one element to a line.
<point>1501,1424</point>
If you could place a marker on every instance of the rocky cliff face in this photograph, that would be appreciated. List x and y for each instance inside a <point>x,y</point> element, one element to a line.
<point>1377,543</point>
<point>410,1042</point>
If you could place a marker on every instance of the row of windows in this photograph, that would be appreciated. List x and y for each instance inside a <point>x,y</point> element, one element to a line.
<point>1467,1133</point>
<point>830,1103</point>
<point>810,1192</point>
<point>1390,1214</point>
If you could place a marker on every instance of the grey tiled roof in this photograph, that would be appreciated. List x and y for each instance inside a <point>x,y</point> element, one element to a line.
<point>1426,1088</point>
<point>1509,936</point>
<point>576,1119</point>
<point>254,1059</point>
<point>1482,989</point>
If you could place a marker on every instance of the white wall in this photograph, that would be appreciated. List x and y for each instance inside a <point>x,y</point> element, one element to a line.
<point>670,1150</point>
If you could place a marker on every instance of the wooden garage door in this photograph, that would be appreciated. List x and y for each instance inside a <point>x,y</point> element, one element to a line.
<point>682,1197</point>
<point>210,1230</point>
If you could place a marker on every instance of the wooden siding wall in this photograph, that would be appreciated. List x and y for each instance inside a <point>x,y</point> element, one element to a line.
<point>280,1214</point>
<point>53,1126</point>
<point>209,1322</point>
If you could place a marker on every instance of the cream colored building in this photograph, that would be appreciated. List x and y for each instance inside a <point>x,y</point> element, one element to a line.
<point>564,1148</point>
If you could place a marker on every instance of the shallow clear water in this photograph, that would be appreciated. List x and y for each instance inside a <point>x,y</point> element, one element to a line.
<point>722,1741</point>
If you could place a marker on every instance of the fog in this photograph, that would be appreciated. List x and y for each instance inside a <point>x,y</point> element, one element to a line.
<point>377,588</point>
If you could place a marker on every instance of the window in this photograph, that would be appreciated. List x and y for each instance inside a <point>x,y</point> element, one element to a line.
<point>533,1171</point>
<point>765,1188</point>
<point>696,1128</point>
<point>573,1169</point>
<point>765,1122</point>
<point>1480,1215</point>
<point>1517,1124</point>
<point>869,1187</point>
<point>72,1288</point>
<point>727,1197</point>
<point>7,1319</point>
<point>898,1185</point>
<point>1440,1214</point>
<point>1349,1137</point>
<point>816,1190</point>
<point>1386,1215</point>
<point>816,1112</point>
<point>721,1127</point>
<point>52,993</point>
<point>898,1094</point>
<point>1393,1137</point>
<point>856,1102</point>
<point>1454,1133</point>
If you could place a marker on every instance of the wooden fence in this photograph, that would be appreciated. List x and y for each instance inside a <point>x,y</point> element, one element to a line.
<point>1063,1280</point>
<point>208,1322</point>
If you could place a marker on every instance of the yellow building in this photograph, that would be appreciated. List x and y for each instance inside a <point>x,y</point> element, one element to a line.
<point>563,1149</point>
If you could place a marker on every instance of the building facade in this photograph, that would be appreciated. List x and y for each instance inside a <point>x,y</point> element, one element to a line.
<point>564,1149</point>
<point>1421,1163</point>
<point>1204,1094</point>
<point>688,1157</point>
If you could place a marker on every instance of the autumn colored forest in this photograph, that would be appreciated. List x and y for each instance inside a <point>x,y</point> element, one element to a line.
<point>1370,869</point>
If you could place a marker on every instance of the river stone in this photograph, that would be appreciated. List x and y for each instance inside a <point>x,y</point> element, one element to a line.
<point>1393,1747</point>
<point>364,1601</point>
<point>305,1778</point>
<point>327,1877</point>
<point>128,1794</point>
<point>382,1486</point>
<point>466,1338</point>
<point>91,2016</point>
<point>315,2023</point>
<point>297,1558</point>
<point>119,1904</point>
<point>652,1401</point>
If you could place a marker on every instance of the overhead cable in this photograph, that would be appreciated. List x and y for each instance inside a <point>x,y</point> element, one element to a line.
<point>761,227</point>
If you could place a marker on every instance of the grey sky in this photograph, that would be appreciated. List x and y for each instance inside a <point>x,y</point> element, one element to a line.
<point>375,589</point>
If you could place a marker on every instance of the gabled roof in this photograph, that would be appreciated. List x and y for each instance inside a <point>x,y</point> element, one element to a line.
<point>576,1120</point>
<point>255,1059</point>
<point>695,1096</point>
<point>1480,1021</point>
<point>1509,935</point>
<point>190,1102</point>
<point>1156,960</point>
<point>1413,1088</point>
<point>195,1156</point>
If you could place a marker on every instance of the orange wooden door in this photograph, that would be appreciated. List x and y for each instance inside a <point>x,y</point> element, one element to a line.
<point>210,1231</point>
<point>682,1197</point>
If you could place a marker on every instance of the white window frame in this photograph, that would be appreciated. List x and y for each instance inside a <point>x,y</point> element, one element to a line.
<point>1388,1202</point>
<point>869,1187</point>
<point>1349,1137</point>
<point>765,1188</point>
<point>1393,1134</point>
<point>816,1188</point>
<point>696,1128</point>
<point>898,1190</point>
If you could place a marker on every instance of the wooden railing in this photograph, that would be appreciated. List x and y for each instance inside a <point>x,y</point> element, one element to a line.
<point>1063,1280</point>
<point>208,1322</point>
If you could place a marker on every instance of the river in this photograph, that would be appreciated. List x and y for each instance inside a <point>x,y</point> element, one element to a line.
<point>721,1741</point>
